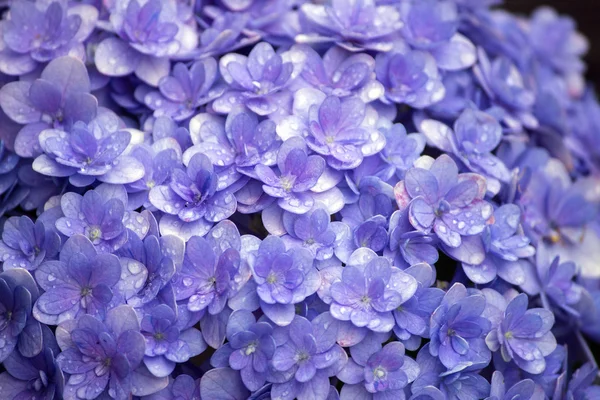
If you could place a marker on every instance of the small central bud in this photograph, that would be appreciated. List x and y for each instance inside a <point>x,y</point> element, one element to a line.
<point>251,348</point>
<point>310,241</point>
<point>271,278</point>
<point>508,335</point>
<point>451,332</point>
<point>150,184</point>
<point>365,300</point>
<point>212,280</point>
<point>86,291</point>
<point>379,373</point>
<point>159,336</point>
<point>286,183</point>
<point>95,233</point>
<point>302,356</point>
<point>329,140</point>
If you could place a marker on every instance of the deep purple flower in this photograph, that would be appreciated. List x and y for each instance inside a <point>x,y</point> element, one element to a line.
<point>283,278</point>
<point>206,280</point>
<point>353,25</point>
<point>80,282</point>
<point>375,371</point>
<point>26,245</point>
<point>250,348</point>
<point>19,332</point>
<point>475,135</point>
<point>254,81</point>
<point>524,335</point>
<point>86,152</point>
<point>524,389</point>
<point>412,317</point>
<point>59,98</point>
<point>40,31</point>
<point>444,201</point>
<point>166,343</point>
<point>340,73</point>
<point>235,146</point>
<point>185,90</point>
<point>458,329</point>
<point>298,173</point>
<point>98,219</point>
<point>307,358</point>
<point>192,197</point>
<point>101,357</point>
<point>436,383</point>
<point>409,77</point>
<point>148,34</point>
<point>369,290</point>
<point>37,377</point>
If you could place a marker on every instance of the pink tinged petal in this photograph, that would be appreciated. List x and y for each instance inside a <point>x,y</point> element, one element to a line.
<point>14,99</point>
<point>114,57</point>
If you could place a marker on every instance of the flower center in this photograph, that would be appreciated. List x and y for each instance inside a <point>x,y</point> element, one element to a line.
<point>86,291</point>
<point>365,300</point>
<point>508,335</point>
<point>302,356</point>
<point>212,280</point>
<point>451,332</point>
<point>271,278</point>
<point>159,336</point>
<point>286,183</point>
<point>379,373</point>
<point>251,348</point>
<point>329,139</point>
<point>150,184</point>
<point>94,233</point>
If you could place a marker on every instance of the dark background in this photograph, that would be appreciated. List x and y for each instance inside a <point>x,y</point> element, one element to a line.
<point>587,15</point>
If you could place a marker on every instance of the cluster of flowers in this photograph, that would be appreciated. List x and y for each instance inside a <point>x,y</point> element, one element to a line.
<point>254,199</point>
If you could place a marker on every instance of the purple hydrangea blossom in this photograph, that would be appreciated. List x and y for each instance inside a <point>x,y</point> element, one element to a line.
<point>98,219</point>
<point>474,136</point>
<point>400,152</point>
<point>458,328</point>
<point>524,335</point>
<point>87,152</point>
<point>206,279</point>
<point>431,26</point>
<point>235,146</point>
<point>192,197</point>
<point>369,291</point>
<point>283,278</point>
<point>19,332</point>
<point>307,357</point>
<point>185,90</point>
<point>166,343</point>
<point>524,389</point>
<point>410,77</point>
<point>350,24</point>
<point>149,33</point>
<point>298,173</point>
<point>340,73</point>
<point>408,246</point>
<point>435,382</point>
<point>26,245</point>
<point>412,317</point>
<point>255,80</point>
<point>60,97</point>
<point>101,357</point>
<point>40,31</point>
<point>80,282</point>
<point>444,201</point>
<point>377,371</point>
<point>250,348</point>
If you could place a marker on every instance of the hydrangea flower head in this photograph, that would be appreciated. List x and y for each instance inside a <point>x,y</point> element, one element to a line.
<point>254,80</point>
<point>458,329</point>
<point>148,34</point>
<point>375,370</point>
<point>26,245</point>
<point>101,356</point>
<point>370,289</point>
<point>40,31</point>
<point>444,201</point>
<point>524,335</point>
